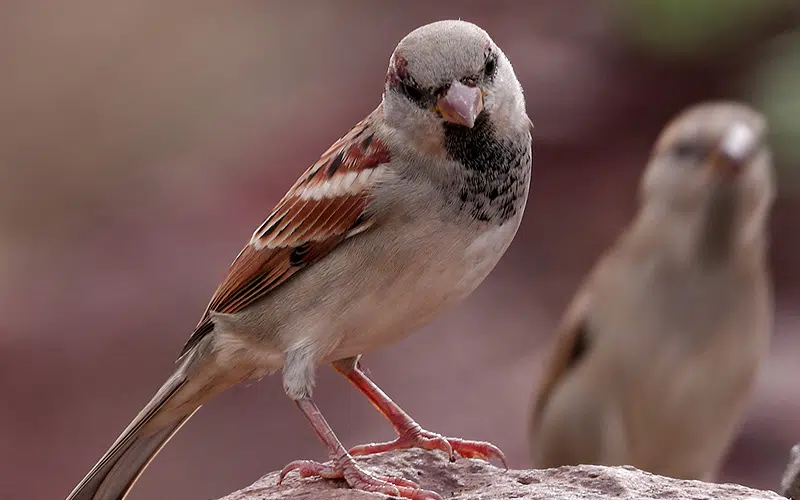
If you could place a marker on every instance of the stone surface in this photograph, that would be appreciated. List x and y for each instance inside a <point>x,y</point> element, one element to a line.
<point>477,480</point>
<point>790,483</point>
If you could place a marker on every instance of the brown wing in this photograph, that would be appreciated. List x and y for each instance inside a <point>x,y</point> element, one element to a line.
<point>324,207</point>
<point>571,342</point>
<point>574,337</point>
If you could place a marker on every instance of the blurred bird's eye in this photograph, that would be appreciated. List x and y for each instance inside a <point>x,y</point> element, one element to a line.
<point>686,150</point>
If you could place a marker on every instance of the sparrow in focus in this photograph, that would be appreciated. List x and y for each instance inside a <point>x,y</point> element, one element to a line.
<point>656,355</point>
<point>400,219</point>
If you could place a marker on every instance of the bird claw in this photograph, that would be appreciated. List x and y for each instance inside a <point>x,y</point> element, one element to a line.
<point>309,468</point>
<point>359,479</point>
<point>478,449</point>
<point>428,440</point>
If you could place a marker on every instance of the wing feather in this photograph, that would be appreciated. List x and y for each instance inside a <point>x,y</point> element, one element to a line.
<point>328,204</point>
<point>570,344</point>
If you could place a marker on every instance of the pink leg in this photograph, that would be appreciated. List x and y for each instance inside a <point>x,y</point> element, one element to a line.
<point>342,465</point>
<point>410,434</point>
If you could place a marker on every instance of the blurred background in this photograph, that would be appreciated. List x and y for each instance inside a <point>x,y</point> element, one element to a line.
<point>142,142</point>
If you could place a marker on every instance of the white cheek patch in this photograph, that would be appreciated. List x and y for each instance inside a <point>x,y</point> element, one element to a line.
<point>738,142</point>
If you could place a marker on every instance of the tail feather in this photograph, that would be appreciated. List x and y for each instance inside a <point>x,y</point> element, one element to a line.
<point>117,471</point>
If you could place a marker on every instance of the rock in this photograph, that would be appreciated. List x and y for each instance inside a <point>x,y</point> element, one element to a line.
<point>476,480</point>
<point>790,483</point>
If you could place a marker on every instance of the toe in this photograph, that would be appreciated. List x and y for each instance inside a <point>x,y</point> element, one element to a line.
<point>359,478</point>
<point>419,494</point>
<point>441,443</point>
<point>309,468</point>
<point>402,482</point>
<point>372,448</point>
<point>478,449</point>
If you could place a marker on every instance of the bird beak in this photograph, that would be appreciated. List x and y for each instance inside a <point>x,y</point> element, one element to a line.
<point>461,104</point>
<point>737,147</point>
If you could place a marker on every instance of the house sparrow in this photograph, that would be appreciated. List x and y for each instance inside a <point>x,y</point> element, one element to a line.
<point>401,218</point>
<point>656,355</point>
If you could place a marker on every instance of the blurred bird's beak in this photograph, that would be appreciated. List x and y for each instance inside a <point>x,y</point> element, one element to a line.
<point>461,104</point>
<point>738,146</point>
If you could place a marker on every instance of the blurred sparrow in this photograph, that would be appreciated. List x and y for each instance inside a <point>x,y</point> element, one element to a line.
<point>656,355</point>
<point>401,218</point>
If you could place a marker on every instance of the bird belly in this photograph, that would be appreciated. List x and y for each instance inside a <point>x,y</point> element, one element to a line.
<point>701,407</point>
<point>679,368</point>
<point>370,292</point>
<point>433,280</point>
<point>682,409</point>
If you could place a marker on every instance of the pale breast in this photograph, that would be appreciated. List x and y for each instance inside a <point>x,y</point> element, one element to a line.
<point>372,291</point>
<point>684,363</point>
<point>428,251</point>
<point>432,280</point>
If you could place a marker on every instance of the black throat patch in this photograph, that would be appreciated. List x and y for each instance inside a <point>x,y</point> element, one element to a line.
<point>495,171</point>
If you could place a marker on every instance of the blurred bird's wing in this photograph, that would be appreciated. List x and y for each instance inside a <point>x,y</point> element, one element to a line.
<point>569,346</point>
<point>576,335</point>
<point>328,204</point>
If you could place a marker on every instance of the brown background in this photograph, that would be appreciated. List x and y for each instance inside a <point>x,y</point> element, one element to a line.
<point>141,143</point>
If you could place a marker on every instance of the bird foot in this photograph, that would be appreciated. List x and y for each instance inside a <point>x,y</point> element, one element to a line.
<point>359,479</point>
<point>427,440</point>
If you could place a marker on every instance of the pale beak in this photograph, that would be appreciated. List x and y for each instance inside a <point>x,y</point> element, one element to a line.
<point>461,104</point>
<point>737,147</point>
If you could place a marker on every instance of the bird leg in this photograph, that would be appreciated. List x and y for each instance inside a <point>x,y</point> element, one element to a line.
<point>342,465</point>
<point>409,433</point>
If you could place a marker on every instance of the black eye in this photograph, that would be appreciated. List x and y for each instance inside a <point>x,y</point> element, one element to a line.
<point>491,65</point>
<point>412,91</point>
